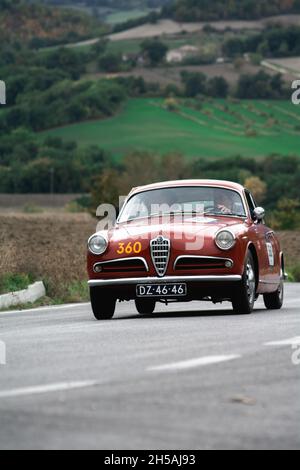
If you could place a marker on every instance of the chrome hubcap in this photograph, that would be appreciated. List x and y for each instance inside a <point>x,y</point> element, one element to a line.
<point>250,281</point>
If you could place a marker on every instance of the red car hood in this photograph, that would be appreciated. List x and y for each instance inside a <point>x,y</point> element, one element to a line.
<point>176,227</point>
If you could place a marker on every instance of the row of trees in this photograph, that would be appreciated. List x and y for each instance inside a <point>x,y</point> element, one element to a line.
<point>114,4</point>
<point>257,86</point>
<point>22,156</point>
<point>274,181</point>
<point>28,165</point>
<point>198,84</point>
<point>207,10</point>
<point>64,102</point>
<point>272,42</point>
<point>41,25</point>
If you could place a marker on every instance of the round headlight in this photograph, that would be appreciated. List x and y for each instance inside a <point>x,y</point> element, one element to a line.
<point>97,244</point>
<point>225,240</point>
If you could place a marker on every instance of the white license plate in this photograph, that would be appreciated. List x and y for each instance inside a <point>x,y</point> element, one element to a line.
<point>161,290</point>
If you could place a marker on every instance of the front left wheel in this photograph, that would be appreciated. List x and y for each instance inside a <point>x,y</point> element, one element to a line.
<point>103,304</point>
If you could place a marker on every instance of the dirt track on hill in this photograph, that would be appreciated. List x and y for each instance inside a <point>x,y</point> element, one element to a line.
<point>169,27</point>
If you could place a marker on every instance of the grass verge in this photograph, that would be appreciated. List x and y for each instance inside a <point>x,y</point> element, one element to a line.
<point>14,282</point>
<point>74,292</point>
<point>294,273</point>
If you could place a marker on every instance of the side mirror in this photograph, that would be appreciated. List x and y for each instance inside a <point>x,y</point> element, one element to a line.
<point>259,214</point>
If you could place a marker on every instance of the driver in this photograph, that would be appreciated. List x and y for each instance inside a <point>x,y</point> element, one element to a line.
<point>223,202</point>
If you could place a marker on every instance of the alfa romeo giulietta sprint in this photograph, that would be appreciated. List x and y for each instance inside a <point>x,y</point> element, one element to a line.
<point>182,241</point>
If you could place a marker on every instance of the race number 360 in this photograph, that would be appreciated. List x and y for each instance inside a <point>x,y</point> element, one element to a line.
<point>129,248</point>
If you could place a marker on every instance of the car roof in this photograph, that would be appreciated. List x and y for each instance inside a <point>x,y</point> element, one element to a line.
<point>191,183</point>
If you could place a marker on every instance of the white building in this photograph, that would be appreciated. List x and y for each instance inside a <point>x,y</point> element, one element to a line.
<point>178,55</point>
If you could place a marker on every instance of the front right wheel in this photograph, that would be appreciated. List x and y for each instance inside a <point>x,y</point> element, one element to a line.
<point>244,297</point>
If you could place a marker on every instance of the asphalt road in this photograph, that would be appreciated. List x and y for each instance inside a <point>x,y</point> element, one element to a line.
<point>192,376</point>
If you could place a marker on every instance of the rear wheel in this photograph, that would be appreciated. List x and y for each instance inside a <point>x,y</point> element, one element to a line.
<point>244,297</point>
<point>103,305</point>
<point>274,301</point>
<point>145,306</point>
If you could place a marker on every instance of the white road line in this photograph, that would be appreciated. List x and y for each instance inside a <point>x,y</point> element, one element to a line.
<point>286,342</point>
<point>192,363</point>
<point>50,388</point>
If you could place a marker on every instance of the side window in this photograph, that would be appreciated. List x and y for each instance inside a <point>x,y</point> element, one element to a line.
<point>250,202</point>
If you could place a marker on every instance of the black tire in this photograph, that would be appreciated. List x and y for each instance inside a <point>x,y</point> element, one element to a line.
<point>244,297</point>
<point>274,301</point>
<point>103,304</point>
<point>145,306</point>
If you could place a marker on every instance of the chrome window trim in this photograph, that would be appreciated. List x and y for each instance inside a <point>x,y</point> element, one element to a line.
<point>136,258</point>
<point>217,258</point>
<point>241,194</point>
<point>162,280</point>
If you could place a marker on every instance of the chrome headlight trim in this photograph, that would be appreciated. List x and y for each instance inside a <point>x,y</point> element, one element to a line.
<point>101,239</point>
<point>232,238</point>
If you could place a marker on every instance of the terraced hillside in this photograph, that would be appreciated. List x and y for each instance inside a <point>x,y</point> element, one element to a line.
<point>216,128</point>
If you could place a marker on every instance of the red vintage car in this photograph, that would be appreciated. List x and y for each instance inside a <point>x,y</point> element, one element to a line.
<point>183,241</point>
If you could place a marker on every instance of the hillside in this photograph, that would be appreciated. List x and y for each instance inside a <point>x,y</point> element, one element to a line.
<point>22,21</point>
<point>218,129</point>
<point>206,10</point>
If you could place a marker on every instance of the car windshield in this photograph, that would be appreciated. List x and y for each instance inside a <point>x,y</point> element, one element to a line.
<point>198,200</point>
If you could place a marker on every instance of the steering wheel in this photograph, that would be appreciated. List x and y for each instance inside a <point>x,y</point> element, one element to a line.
<point>209,209</point>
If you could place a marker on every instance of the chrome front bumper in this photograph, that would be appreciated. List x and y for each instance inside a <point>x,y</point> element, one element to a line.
<point>162,280</point>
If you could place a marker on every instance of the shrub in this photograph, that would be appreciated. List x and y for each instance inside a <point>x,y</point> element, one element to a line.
<point>294,273</point>
<point>32,209</point>
<point>14,282</point>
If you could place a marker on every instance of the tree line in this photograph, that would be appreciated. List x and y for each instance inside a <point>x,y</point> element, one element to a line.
<point>272,42</point>
<point>40,25</point>
<point>274,180</point>
<point>27,165</point>
<point>207,10</point>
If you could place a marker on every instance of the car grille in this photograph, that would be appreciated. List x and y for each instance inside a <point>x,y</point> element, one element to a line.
<point>160,252</point>
<point>122,266</point>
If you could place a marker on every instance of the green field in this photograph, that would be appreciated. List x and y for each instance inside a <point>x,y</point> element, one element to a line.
<point>126,15</point>
<point>206,45</point>
<point>219,129</point>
